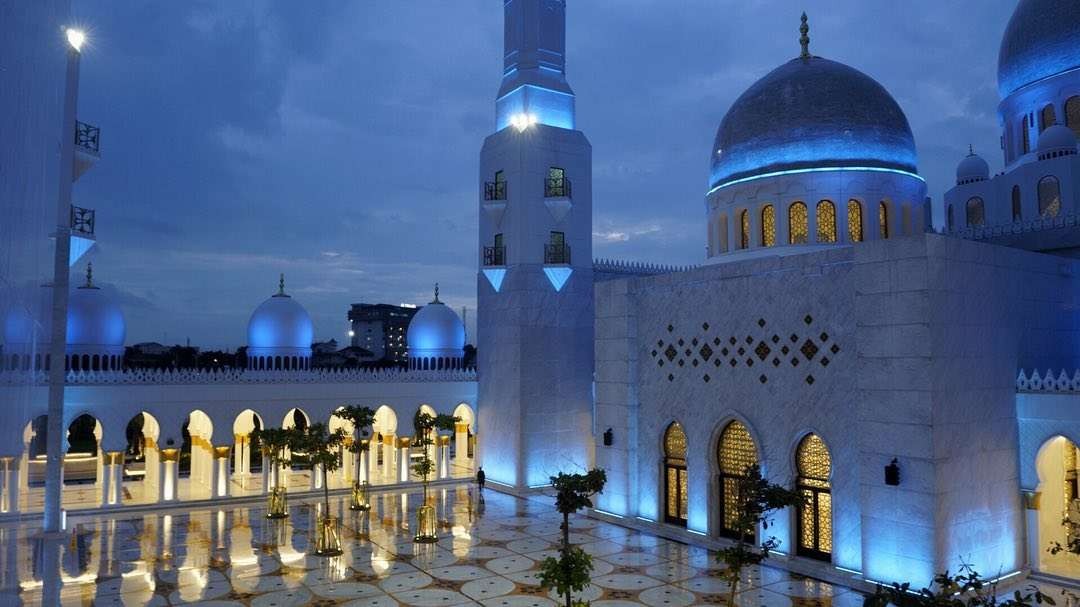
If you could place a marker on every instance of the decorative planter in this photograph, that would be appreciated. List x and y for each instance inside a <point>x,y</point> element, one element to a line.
<point>327,536</point>
<point>360,496</point>
<point>426,531</point>
<point>277,503</point>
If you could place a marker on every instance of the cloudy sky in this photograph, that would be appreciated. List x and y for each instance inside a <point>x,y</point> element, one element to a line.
<point>338,142</point>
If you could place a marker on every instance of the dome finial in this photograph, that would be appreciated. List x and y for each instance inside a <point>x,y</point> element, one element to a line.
<point>281,284</point>
<point>971,150</point>
<point>436,294</point>
<point>90,275</point>
<point>804,39</point>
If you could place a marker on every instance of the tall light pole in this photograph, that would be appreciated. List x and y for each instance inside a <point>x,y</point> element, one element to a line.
<point>54,432</point>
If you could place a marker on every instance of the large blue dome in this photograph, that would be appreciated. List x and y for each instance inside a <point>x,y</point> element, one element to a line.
<point>1041,40</point>
<point>811,113</point>
<point>436,330</point>
<point>94,320</point>
<point>280,323</point>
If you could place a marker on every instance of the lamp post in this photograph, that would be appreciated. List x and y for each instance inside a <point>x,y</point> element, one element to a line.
<point>58,347</point>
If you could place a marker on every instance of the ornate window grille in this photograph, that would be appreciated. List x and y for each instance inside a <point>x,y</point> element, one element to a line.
<point>814,465</point>
<point>736,452</point>
<point>854,220</point>
<point>82,220</point>
<point>768,225</point>
<point>676,494</point>
<point>87,136</point>
<point>826,221</point>
<point>798,223</point>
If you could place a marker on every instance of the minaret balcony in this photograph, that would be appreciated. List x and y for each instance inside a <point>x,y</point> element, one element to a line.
<point>495,200</point>
<point>494,256</point>
<point>494,190</point>
<point>557,188</point>
<point>87,139</point>
<point>557,254</point>
<point>82,233</point>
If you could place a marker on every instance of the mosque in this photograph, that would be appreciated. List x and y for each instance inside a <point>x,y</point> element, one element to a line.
<point>918,383</point>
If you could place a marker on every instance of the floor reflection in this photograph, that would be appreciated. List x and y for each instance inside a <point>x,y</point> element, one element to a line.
<point>488,553</point>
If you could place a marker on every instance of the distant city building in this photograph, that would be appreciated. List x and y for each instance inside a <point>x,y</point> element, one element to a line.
<point>380,329</point>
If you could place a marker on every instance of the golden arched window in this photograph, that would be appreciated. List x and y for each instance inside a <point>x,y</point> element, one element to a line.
<point>854,220</point>
<point>1072,114</point>
<point>676,500</point>
<point>814,465</point>
<point>1049,196</point>
<point>975,212</point>
<point>744,229</point>
<point>826,221</point>
<point>735,452</point>
<point>1017,210</point>
<point>768,225</point>
<point>883,219</point>
<point>1046,117</point>
<point>798,224</point>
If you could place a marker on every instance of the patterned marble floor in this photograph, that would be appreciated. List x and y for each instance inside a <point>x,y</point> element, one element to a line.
<point>488,554</point>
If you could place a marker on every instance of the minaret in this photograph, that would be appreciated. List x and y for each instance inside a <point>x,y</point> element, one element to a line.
<point>535,285</point>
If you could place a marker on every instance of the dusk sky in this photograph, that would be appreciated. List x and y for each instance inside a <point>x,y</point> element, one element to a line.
<point>338,142</point>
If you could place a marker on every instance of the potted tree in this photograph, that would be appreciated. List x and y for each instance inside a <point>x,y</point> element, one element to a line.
<point>756,500</point>
<point>361,418</point>
<point>276,444</point>
<point>426,427</point>
<point>570,572</point>
<point>323,448</point>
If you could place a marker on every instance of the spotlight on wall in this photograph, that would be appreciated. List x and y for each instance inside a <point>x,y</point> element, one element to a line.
<point>522,121</point>
<point>892,473</point>
<point>609,437</point>
<point>75,38</point>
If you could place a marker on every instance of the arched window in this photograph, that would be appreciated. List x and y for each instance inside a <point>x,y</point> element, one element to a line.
<point>1017,212</point>
<point>735,452</point>
<point>1072,114</point>
<point>815,517</point>
<point>883,219</point>
<point>974,212</point>
<point>949,221</point>
<point>854,220</point>
<point>1049,197</point>
<point>675,484</point>
<point>768,225</point>
<point>744,229</point>
<point>1025,136</point>
<point>1046,117</point>
<point>826,221</point>
<point>798,224</point>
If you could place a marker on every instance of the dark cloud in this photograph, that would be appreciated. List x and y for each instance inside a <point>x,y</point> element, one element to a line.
<point>244,139</point>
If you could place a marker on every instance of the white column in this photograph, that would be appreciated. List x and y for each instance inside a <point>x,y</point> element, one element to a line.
<point>363,467</point>
<point>315,482</point>
<point>241,457</point>
<point>219,473</point>
<point>348,467</point>
<point>373,460</point>
<point>112,473</point>
<point>461,444</point>
<point>403,459</point>
<point>152,476</point>
<point>9,476</point>
<point>444,457</point>
<point>170,475</point>
<point>267,476</point>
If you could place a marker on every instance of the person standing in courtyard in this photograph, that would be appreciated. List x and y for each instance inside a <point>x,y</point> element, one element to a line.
<point>480,478</point>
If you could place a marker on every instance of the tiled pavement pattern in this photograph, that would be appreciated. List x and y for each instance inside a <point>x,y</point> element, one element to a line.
<point>489,554</point>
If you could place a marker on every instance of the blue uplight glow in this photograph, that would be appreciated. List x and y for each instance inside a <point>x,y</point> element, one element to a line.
<point>495,276</point>
<point>79,246</point>
<point>813,170</point>
<point>552,108</point>
<point>1041,41</point>
<point>558,275</point>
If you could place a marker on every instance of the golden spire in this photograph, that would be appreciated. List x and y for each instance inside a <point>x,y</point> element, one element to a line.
<point>89,275</point>
<point>436,294</point>
<point>971,150</point>
<point>804,39</point>
<point>281,284</point>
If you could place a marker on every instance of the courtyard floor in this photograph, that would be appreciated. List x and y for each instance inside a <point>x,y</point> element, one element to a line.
<point>488,554</point>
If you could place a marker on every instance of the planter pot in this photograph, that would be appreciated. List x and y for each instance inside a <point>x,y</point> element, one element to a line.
<point>426,531</point>
<point>360,497</point>
<point>327,536</point>
<point>277,505</point>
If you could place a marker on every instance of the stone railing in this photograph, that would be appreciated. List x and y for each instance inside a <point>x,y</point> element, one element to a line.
<point>240,376</point>
<point>1048,382</point>
<point>616,266</point>
<point>1016,228</point>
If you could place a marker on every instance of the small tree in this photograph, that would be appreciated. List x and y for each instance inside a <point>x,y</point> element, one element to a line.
<point>756,499</point>
<point>426,425</point>
<point>322,448</point>
<point>965,589</point>
<point>570,572</point>
<point>276,444</point>
<point>361,419</point>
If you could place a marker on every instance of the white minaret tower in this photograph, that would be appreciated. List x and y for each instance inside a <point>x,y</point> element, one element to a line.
<point>535,285</point>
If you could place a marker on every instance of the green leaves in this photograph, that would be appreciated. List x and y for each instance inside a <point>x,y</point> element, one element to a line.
<point>965,589</point>
<point>573,491</point>
<point>320,445</point>
<point>568,573</point>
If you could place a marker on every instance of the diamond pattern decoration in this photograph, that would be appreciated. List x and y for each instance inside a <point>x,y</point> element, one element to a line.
<point>755,348</point>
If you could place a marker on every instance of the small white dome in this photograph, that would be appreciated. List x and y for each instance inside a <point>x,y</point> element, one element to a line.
<point>94,322</point>
<point>971,169</point>
<point>280,327</point>
<point>1057,138</point>
<point>435,332</point>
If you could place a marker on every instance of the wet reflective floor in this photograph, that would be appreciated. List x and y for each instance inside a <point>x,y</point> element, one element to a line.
<point>488,553</point>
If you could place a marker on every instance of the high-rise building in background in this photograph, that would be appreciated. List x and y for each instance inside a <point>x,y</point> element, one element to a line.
<point>380,328</point>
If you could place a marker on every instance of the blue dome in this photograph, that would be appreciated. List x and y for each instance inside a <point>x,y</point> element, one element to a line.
<point>436,330</point>
<point>1041,40</point>
<point>811,113</point>
<point>280,323</point>
<point>94,320</point>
